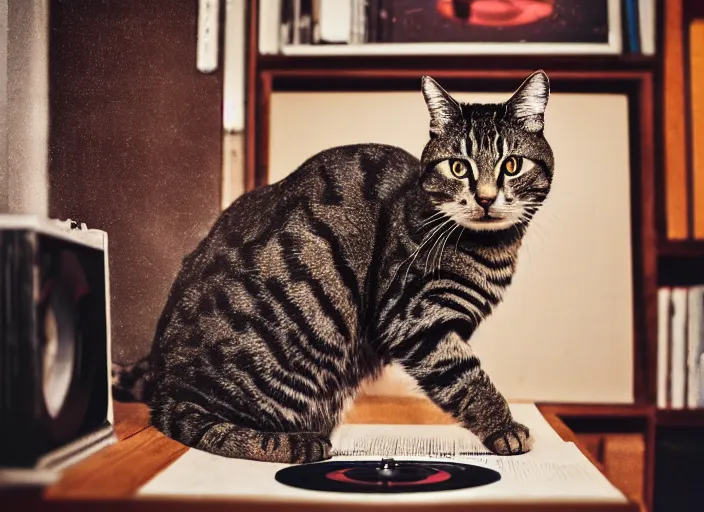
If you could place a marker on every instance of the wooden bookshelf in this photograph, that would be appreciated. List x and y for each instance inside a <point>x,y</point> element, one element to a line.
<point>680,262</point>
<point>681,249</point>
<point>457,62</point>
<point>680,418</point>
<point>642,78</point>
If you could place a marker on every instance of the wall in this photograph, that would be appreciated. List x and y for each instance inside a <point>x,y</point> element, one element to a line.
<point>4,195</point>
<point>136,145</point>
<point>24,115</point>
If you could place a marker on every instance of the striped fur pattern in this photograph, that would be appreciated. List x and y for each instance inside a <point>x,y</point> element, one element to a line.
<point>362,256</point>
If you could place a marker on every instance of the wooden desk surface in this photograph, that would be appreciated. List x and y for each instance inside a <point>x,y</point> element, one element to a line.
<point>109,479</point>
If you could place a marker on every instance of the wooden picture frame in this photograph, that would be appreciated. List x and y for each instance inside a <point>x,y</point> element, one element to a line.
<point>636,85</point>
<point>533,38</point>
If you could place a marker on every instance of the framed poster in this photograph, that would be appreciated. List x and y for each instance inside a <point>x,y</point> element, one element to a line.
<point>416,27</point>
<point>570,309</point>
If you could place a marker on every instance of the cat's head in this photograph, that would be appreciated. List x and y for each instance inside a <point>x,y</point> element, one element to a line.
<point>488,166</point>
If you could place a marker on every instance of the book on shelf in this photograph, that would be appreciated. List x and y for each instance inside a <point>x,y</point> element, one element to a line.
<point>678,345</point>
<point>664,317</point>
<point>683,111</point>
<point>639,26</point>
<point>680,361</point>
<point>646,26</point>
<point>408,27</point>
<point>632,26</point>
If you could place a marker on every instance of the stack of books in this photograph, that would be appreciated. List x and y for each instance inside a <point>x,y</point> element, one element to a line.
<point>680,372</point>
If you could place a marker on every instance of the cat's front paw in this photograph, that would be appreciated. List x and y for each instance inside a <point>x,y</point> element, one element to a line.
<point>513,439</point>
<point>309,447</point>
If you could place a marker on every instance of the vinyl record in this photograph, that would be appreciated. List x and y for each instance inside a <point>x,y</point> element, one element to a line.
<point>387,476</point>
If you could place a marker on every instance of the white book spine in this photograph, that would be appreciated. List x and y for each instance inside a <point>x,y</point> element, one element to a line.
<point>306,24</point>
<point>296,21</point>
<point>694,343</point>
<point>362,21</point>
<point>286,24</point>
<point>354,13</point>
<point>316,21</point>
<point>269,26</point>
<point>678,377</point>
<point>663,345</point>
<point>646,21</point>
<point>335,21</point>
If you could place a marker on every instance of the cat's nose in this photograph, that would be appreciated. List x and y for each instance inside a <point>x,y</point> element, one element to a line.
<point>485,201</point>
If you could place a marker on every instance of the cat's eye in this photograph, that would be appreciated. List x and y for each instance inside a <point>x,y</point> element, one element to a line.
<point>512,165</point>
<point>459,168</point>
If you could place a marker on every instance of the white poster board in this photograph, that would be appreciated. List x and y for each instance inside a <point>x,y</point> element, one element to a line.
<point>564,332</point>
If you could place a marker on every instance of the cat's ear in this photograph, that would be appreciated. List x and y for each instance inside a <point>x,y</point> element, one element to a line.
<point>528,103</point>
<point>443,109</point>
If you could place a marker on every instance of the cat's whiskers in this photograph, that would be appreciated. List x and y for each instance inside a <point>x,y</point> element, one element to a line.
<point>544,213</point>
<point>537,230</point>
<point>443,246</point>
<point>414,254</point>
<point>458,239</point>
<point>520,213</point>
<point>434,254</point>
<point>432,221</point>
<point>417,251</point>
<point>425,268</point>
<point>453,211</point>
<point>438,231</point>
<point>438,213</point>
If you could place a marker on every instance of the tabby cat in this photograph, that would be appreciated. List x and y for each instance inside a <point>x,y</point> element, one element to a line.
<point>362,257</point>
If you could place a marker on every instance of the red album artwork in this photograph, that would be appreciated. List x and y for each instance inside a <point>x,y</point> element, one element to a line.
<point>496,13</point>
<point>490,21</point>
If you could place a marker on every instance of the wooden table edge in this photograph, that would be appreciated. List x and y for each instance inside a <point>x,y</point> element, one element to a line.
<point>127,471</point>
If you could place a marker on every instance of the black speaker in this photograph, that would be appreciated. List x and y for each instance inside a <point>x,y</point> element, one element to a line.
<point>55,403</point>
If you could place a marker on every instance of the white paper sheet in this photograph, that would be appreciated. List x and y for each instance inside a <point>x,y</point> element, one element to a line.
<point>199,474</point>
<point>440,440</point>
<point>554,471</point>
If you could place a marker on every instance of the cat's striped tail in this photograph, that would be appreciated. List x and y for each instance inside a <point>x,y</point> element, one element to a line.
<point>128,380</point>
